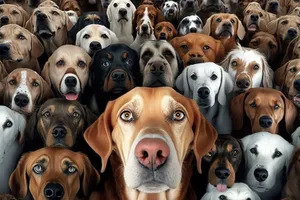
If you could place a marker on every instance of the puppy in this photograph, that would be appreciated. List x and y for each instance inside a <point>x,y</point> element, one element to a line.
<point>120,16</point>
<point>24,89</point>
<point>197,48</point>
<point>187,7</point>
<point>262,109</point>
<point>275,7</point>
<point>66,5</point>
<point>225,27</point>
<point>94,37</point>
<point>190,24</point>
<point>159,64</point>
<point>72,16</point>
<point>11,144</point>
<point>209,85</point>
<point>267,157</point>
<point>19,48</point>
<point>13,14</point>
<point>67,70</point>
<point>248,69</point>
<point>170,10</point>
<point>54,173</point>
<point>165,31</point>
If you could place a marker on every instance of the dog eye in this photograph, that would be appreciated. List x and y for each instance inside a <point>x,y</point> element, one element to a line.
<point>218,20</point>
<point>222,197</point>
<point>81,64</point>
<point>272,46</point>
<point>284,22</point>
<point>12,82</point>
<point>197,22</point>
<point>234,63</point>
<point>178,115</point>
<point>184,47</point>
<point>35,84</point>
<point>253,105</point>
<point>128,5</point>
<point>194,76</point>
<point>21,37</point>
<point>277,154</point>
<point>255,43</point>
<point>115,4</point>
<point>76,114</point>
<point>147,54</point>
<point>254,151</point>
<point>256,67</point>
<point>54,13</point>
<point>38,169</point>
<point>86,36</point>
<point>260,14</point>
<point>1,11</point>
<point>14,12</point>
<point>47,114</point>
<point>168,54</point>
<point>214,77</point>
<point>71,170</point>
<point>128,62</point>
<point>205,48</point>
<point>235,153</point>
<point>8,124</point>
<point>293,69</point>
<point>276,106</point>
<point>104,36</point>
<point>232,21</point>
<point>60,63</point>
<point>158,28</point>
<point>127,116</point>
<point>105,64</point>
<point>169,29</point>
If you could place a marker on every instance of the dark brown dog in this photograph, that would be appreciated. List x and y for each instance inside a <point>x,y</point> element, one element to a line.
<point>165,31</point>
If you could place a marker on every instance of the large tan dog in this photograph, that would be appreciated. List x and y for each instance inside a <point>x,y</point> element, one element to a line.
<point>51,25</point>
<point>150,136</point>
<point>13,14</point>
<point>19,48</point>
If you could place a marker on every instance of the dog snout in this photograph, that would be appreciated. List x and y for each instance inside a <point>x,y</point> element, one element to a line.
<point>123,12</point>
<point>152,153</point>
<point>4,20</point>
<point>227,25</point>
<point>265,121</point>
<point>193,30</point>
<point>59,132</point>
<point>157,68</point>
<point>243,83</point>
<point>292,32</point>
<point>4,49</point>
<point>21,100</point>
<point>297,84</point>
<point>144,27</point>
<point>195,55</point>
<point>203,92</point>
<point>95,46</point>
<point>273,4</point>
<point>254,18</point>
<point>71,81</point>
<point>222,172</point>
<point>41,17</point>
<point>171,10</point>
<point>260,174</point>
<point>54,191</point>
<point>118,76</point>
<point>190,3</point>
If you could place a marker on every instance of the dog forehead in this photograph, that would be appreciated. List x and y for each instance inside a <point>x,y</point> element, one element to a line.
<point>204,69</point>
<point>248,56</point>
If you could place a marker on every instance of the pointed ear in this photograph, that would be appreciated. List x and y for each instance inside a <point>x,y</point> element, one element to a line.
<point>280,74</point>
<point>290,114</point>
<point>272,26</point>
<point>207,27</point>
<point>98,135</point>
<point>237,110</point>
<point>46,92</point>
<point>241,32</point>
<point>220,51</point>
<point>21,127</point>
<point>268,74</point>
<point>225,87</point>
<point>45,73</point>
<point>37,48</point>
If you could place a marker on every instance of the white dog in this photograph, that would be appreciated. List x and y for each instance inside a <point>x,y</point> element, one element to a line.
<point>267,157</point>
<point>72,16</point>
<point>94,37</point>
<point>239,191</point>
<point>170,11</point>
<point>120,14</point>
<point>209,85</point>
<point>296,137</point>
<point>190,24</point>
<point>11,143</point>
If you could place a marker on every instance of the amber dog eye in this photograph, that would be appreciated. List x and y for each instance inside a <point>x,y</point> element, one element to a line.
<point>178,115</point>
<point>35,84</point>
<point>253,105</point>
<point>293,69</point>
<point>127,116</point>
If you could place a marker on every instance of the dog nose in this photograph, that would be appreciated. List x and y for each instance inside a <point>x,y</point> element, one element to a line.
<point>4,49</point>
<point>254,18</point>
<point>157,68</point>
<point>193,30</point>
<point>71,81</point>
<point>297,84</point>
<point>203,92</point>
<point>118,76</point>
<point>152,153</point>
<point>292,32</point>
<point>163,34</point>
<point>21,100</point>
<point>194,55</point>
<point>243,83</point>
<point>190,3</point>
<point>54,191</point>
<point>265,121</point>
<point>144,27</point>
<point>260,174</point>
<point>171,10</point>
<point>59,132</point>
<point>274,4</point>
<point>227,25</point>
<point>123,12</point>
<point>4,20</point>
<point>222,172</point>
<point>41,16</point>
<point>95,46</point>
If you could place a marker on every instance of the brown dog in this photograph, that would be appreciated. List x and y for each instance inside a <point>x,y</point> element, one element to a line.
<point>70,5</point>
<point>197,48</point>
<point>13,14</point>
<point>289,5</point>
<point>292,51</point>
<point>165,31</point>
<point>264,108</point>
<point>275,7</point>
<point>159,144</point>
<point>225,27</point>
<point>53,173</point>
<point>242,4</point>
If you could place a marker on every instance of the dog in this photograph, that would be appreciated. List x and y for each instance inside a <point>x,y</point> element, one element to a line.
<point>165,31</point>
<point>190,24</point>
<point>170,11</point>
<point>288,6</point>
<point>48,3</point>
<point>197,48</point>
<point>267,158</point>
<point>94,37</point>
<point>67,5</point>
<point>19,48</point>
<point>292,52</point>
<point>51,25</point>
<point>72,16</point>
<point>115,71</point>
<point>248,69</point>
<point>296,11</point>
<point>12,140</point>
<point>67,71</point>
<point>13,14</point>
<point>209,85</point>
<point>262,109</point>
<point>23,89</point>
<point>208,8</point>
<point>54,173</point>
<point>159,64</point>
<point>174,126</point>
<point>187,7</point>
<point>225,27</point>
<point>120,15</point>
<point>244,3</point>
<point>275,7</point>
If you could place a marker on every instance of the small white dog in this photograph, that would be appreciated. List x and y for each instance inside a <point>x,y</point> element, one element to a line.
<point>190,24</point>
<point>94,37</point>
<point>72,16</point>
<point>11,143</point>
<point>170,11</point>
<point>209,85</point>
<point>267,158</point>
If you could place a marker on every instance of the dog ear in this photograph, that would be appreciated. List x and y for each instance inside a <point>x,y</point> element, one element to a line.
<point>109,13</point>
<point>46,92</point>
<point>114,38</point>
<point>220,51</point>
<point>226,62</point>
<point>29,25</point>
<point>89,117</point>
<point>289,53</point>
<point>290,114</point>
<point>98,135</point>
<point>37,48</point>
<point>268,74</point>
<point>45,73</point>
<point>272,26</point>
<point>207,27</point>
<point>31,125</point>
<point>280,74</point>
<point>225,87</point>
<point>21,127</point>
<point>241,32</point>
<point>182,83</point>
<point>18,181</point>
<point>24,15</point>
<point>68,22</point>
<point>78,35</point>
<point>237,110</point>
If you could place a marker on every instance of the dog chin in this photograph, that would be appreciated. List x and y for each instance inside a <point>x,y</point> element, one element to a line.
<point>153,187</point>
<point>44,32</point>
<point>124,20</point>
<point>259,188</point>
<point>296,100</point>
<point>225,34</point>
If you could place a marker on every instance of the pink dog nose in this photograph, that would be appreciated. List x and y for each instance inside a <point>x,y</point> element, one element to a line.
<point>152,153</point>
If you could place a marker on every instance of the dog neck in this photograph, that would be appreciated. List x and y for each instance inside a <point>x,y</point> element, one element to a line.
<point>229,43</point>
<point>123,31</point>
<point>31,64</point>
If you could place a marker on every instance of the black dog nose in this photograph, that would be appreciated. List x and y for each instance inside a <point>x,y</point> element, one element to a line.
<point>297,84</point>
<point>193,30</point>
<point>144,27</point>
<point>4,20</point>
<point>157,69</point>
<point>123,12</point>
<point>254,18</point>
<point>71,81</point>
<point>227,25</point>
<point>222,172</point>
<point>21,100</point>
<point>59,132</point>
<point>274,4</point>
<point>243,83</point>
<point>203,92</point>
<point>171,10</point>
<point>118,76</point>
<point>292,32</point>
<point>4,49</point>
<point>95,46</point>
<point>54,191</point>
<point>41,16</point>
<point>163,34</point>
<point>260,174</point>
<point>190,3</point>
<point>265,121</point>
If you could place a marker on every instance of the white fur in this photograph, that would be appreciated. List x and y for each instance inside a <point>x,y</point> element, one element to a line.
<point>72,16</point>
<point>184,29</point>
<point>296,137</point>
<point>64,89</point>
<point>170,5</point>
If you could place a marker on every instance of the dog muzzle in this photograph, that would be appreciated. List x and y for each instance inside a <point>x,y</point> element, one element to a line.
<point>70,87</point>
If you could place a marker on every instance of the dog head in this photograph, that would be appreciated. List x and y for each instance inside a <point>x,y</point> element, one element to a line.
<point>72,16</point>
<point>188,6</point>
<point>170,10</point>
<point>67,5</point>
<point>165,31</point>
<point>13,14</point>
<point>120,12</point>
<point>274,6</point>
<point>190,24</point>
<point>215,6</point>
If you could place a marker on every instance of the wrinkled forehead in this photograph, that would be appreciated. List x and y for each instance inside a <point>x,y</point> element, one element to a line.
<point>264,97</point>
<point>158,47</point>
<point>68,54</point>
<point>204,70</point>
<point>96,30</point>
<point>295,64</point>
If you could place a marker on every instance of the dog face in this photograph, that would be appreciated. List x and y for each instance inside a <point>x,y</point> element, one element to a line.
<point>248,69</point>
<point>167,125</point>
<point>94,37</point>
<point>67,70</point>
<point>48,3</point>
<point>290,5</point>
<point>72,16</point>
<point>197,48</point>
<point>266,156</point>
<point>188,6</point>
<point>244,3</point>
<point>120,11</point>
<point>274,6</point>
<point>53,169</point>
<point>165,31</point>
<point>12,14</point>
<point>158,64</point>
<point>24,89</point>
<point>190,24</point>
<point>67,5</point>
<point>296,11</point>
<point>215,6</point>
<point>170,10</point>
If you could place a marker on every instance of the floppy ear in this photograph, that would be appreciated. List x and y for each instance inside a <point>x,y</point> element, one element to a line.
<point>46,92</point>
<point>98,135</point>
<point>29,25</point>
<point>205,135</point>
<point>78,35</point>
<point>237,110</point>
<point>31,125</point>
<point>290,114</point>
<point>109,12</point>
<point>21,127</point>
<point>241,32</point>
<point>280,74</point>
<point>89,116</point>
<point>174,42</point>
<point>226,62</point>
<point>290,51</point>
<point>114,38</point>
<point>268,74</point>
<point>182,84</point>
<point>17,181</point>
<point>37,48</point>
<point>290,152</point>
<point>160,16</point>
<point>68,22</point>
<point>272,26</point>
<point>207,27</point>
<point>45,72</point>
<point>24,15</point>
<point>220,51</point>
<point>225,87</point>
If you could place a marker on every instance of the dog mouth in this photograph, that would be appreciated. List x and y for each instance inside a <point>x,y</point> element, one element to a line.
<point>44,32</point>
<point>252,27</point>
<point>226,34</point>
<point>162,37</point>
<point>71,95</point>
<point>296,100</point>
<point>122,19</point>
